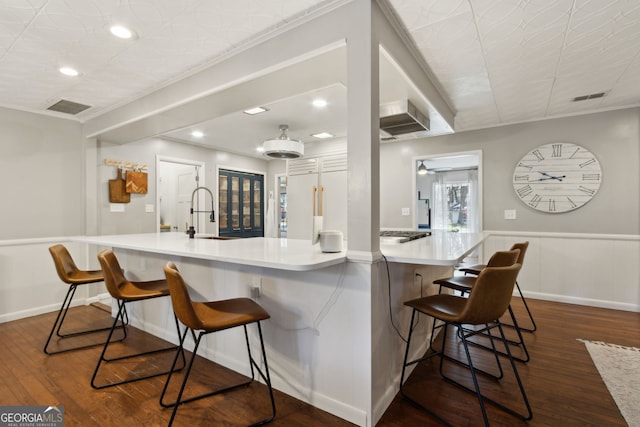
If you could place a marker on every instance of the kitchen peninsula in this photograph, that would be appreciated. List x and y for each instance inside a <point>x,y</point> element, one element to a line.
<point>330,341</point>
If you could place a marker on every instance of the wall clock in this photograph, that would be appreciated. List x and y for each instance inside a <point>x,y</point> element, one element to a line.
<point>557,177</point>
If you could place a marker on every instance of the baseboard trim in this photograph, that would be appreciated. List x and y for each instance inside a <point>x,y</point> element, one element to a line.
<point>279,381</point>
<point>615,305</point>
<point>35,311</point>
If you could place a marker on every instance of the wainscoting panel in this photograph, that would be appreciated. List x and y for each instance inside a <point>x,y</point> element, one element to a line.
<point>588,269</point>
<point>29,284</point>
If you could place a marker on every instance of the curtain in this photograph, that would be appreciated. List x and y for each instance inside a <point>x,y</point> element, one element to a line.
<point>446,182</point>
<point>473,219</point>
<point>271,229</point>
<point>440,208</point>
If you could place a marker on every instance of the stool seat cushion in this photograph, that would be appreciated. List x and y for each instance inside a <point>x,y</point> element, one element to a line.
<point>81,277</point>
<point>132,291</point>
<point>458,283</point>
<point>219,315</point>
<point>473,269</point>
<point>442,306</point>
<point>68,271</point>
<point>495,285</point>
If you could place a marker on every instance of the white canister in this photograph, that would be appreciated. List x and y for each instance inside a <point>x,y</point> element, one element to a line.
<point>331,241</point>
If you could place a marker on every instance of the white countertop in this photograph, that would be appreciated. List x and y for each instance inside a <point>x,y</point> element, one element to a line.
<point>283,254</point>
<point>441,248</point>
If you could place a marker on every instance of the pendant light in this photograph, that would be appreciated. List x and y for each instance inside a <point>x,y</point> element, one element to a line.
<point>283,147</point>
<point>422,169</point>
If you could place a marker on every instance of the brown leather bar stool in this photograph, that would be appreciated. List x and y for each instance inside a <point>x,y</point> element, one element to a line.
<point>210,317</point>
<point>484,306</point>
<point>475,270</point>
<point>465,284</point>
<point>70,274</point>
<point>125,291</point>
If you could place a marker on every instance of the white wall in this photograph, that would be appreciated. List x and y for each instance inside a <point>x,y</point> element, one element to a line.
<point>135,219</point>
<point>587,256</point>
<point>597,270</point>
<point>41,170</point>
<point>614,137</point>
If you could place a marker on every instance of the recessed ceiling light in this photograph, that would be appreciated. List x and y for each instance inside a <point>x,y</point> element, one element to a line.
<point>121,32</point>
<point>256,110</point>
<point>323,135</point>
<point>197,134</point>
<point>68,71</point>
<point>319,103</point>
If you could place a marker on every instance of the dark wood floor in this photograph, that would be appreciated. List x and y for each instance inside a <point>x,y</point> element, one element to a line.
<point>562,383</point>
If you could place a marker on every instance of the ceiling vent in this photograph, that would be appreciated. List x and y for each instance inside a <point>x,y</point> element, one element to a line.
<point>591,96</point>
<point>401,118</point>
<point>68,107</point>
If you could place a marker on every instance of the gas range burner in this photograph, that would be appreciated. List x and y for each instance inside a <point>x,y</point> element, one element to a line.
<point>402,236</point>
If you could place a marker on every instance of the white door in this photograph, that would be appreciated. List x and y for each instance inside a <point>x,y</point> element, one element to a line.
<point>187,182</point>
<point>176,181</point>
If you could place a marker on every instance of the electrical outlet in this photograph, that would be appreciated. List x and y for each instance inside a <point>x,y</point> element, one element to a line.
<point>256,287</point>
<point>148,208</point>
<point>509,214</point>
<point>255,292</point>
<point>406,211</point>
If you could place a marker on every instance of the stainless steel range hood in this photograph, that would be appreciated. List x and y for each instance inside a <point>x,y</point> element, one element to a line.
<point>401,118</point>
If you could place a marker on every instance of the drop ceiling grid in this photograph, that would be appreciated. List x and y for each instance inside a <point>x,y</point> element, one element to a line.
<point>174,37</point>
<point>603,36</point>
<point>522,43</point>
<point>538,55</point>
<point>448,38</point>
<point>498,61</point>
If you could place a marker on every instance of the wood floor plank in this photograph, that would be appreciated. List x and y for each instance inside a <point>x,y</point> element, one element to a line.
<point>562,382</point>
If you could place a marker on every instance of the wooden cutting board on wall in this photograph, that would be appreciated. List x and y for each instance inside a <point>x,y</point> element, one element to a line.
<point>136,182</point>
<point>118,190</point>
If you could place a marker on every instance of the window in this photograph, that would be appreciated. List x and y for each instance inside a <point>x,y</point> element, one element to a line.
<point>454,200</point>
<point>449,192</point>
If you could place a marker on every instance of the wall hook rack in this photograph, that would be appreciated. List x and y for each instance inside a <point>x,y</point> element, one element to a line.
<point>141,167</point>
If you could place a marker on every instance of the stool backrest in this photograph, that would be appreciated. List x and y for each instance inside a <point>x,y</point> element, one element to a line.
<point>113,276</point>
<point>65,266</point>
<point>523,248</point>
<point>180,299</point>
<point>504,258</point>
<point>491,295</point>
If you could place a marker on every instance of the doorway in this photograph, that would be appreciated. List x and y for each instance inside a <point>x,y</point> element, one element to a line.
<point>176,181</point>
<point>449,189</point>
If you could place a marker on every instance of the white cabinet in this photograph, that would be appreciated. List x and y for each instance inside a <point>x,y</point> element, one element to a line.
<point>328,175</point>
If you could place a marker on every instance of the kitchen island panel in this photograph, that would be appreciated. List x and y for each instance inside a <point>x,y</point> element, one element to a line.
<point>318,337</point>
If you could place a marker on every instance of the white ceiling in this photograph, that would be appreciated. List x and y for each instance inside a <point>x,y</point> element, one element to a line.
<point>497,61</point>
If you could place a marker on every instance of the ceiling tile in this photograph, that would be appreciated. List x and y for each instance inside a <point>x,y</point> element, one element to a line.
<point>497,61</point>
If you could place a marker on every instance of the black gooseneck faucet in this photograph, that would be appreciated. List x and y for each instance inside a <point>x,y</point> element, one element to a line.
<point>212,214</point>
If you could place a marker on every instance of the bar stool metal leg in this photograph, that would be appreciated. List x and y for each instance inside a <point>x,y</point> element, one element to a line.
<point>253,365</point>
<point>122,314</point>
<point>70,274</point>
<point>57,326</point>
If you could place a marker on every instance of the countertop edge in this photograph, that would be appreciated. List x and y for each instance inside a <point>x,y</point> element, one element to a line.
<point>299,264</point>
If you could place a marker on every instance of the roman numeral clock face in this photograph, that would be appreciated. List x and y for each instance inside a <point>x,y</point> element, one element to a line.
<point>558,177</point>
